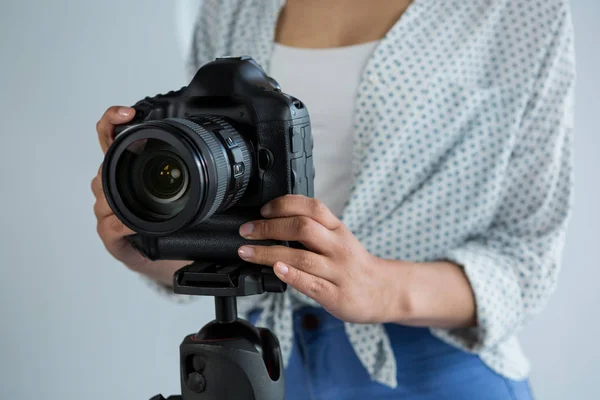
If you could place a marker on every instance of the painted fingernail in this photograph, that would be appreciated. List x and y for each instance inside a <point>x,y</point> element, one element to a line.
<point>247,229</point>
<point>125,111</point>
<point>281,268</point>
<point>246,252</point>
<point>266,210</point>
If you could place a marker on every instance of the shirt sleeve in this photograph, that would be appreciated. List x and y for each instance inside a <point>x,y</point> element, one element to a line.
<point>212,18</point>
<point>513,266</point>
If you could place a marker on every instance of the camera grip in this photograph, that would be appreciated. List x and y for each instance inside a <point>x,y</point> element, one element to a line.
<point>301,162</point>
<point>198,244</point>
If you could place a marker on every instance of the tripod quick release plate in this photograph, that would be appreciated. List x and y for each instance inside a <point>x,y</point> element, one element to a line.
<point>211,279</point>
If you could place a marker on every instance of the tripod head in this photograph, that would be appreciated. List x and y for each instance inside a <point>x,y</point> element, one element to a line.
<point>232,280</point>
<point>229,358</point>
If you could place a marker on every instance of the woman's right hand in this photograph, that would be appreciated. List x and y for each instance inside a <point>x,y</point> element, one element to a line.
<point>111,230</point>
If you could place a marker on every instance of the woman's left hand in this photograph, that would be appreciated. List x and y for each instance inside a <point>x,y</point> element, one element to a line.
<point>335,269</point>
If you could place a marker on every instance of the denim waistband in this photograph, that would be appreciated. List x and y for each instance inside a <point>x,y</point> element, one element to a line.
<point>322,319</point>
<point>318,320</point>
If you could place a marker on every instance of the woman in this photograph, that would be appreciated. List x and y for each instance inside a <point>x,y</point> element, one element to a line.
<point>443,155</point>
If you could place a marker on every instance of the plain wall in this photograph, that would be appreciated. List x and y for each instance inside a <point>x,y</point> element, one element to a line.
<point>74,323</point>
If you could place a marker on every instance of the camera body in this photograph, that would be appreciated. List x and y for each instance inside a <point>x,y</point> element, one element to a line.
<point>196,163</point>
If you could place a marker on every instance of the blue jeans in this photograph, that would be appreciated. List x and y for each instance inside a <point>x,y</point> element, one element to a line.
<point>323,366</point>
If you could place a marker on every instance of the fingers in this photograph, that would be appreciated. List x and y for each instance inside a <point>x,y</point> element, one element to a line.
<point>97,185</point>
<point>320,290</point>
<point>105,127</point>
<point>296,205</point>
<point>112,230</point>
<point>306,261</point>
<point>101,207</point>
<point>302,229</point>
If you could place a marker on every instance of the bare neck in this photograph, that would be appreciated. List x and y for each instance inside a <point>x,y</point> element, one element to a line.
<point>335,23</point>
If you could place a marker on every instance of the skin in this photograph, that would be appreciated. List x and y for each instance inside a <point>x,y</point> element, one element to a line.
<point>335,23</point>
<point>335,269</point>
<point>350,283</point>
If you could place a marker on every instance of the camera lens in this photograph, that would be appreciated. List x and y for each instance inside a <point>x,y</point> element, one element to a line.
<point>153,180</point>
<point>162,176</point>
<point>165,177</point>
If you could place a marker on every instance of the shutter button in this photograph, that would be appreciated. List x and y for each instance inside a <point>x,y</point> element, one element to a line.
<point>310,322</point>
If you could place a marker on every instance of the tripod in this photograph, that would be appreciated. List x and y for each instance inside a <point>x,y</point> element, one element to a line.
<point>228,358</point>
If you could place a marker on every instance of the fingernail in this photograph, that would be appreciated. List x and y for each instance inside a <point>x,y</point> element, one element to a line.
<point>266,210</point>
<point>281,268</point>
<point>125,111</point>
<point>246,252</point>
<point>247,229</point>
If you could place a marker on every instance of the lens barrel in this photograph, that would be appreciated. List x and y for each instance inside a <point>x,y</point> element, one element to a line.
<point>162,176</point>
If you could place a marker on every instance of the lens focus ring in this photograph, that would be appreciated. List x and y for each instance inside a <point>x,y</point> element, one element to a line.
<point>219,159</point>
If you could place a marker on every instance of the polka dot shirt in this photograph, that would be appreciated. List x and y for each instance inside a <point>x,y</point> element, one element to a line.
<point>462,152</point>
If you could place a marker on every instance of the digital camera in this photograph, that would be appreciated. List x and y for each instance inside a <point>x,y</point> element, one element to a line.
<point>196,163</point>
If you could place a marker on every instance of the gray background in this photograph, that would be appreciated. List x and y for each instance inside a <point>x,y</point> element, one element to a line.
<point>75,324</point>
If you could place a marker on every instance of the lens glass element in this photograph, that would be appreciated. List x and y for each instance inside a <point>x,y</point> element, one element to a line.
<point>165,178</point>
<point>154,180</point>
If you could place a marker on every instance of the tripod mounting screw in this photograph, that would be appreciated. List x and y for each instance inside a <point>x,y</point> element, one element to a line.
<point>196,382</point>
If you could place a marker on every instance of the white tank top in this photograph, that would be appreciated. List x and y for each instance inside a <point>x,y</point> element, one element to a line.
<point>326,80</point>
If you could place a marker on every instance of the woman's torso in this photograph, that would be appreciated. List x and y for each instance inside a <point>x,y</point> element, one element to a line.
<point>437,118</point>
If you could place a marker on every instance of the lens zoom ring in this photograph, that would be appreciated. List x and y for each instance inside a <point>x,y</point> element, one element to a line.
<point>246,158</point>
<point>216,148</point>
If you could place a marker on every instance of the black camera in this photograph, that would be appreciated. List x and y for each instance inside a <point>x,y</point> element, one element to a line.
<point>196,163</point>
